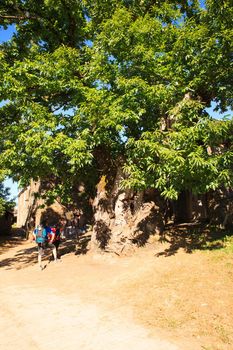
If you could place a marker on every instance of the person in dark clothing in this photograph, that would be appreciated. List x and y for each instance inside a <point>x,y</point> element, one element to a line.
<point>56,238</point>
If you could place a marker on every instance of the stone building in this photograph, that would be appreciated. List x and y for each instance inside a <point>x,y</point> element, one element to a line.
<point>32,209</point>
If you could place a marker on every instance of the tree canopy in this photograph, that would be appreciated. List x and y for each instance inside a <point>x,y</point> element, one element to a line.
<point>89,85</point>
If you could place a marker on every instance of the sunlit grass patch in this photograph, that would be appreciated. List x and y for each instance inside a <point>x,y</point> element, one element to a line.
<point>222,244</point>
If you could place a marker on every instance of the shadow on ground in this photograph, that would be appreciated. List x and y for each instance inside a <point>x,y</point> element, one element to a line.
<point>28,256</point>
<point>15,238</point>
<point>192,236</point>
<point>21,259</point>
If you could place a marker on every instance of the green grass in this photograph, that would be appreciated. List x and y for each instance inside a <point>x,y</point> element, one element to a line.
<point>224,244</point>
<point>228,244</point>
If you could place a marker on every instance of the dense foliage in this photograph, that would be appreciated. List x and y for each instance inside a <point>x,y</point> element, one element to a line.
<point>91,84</point>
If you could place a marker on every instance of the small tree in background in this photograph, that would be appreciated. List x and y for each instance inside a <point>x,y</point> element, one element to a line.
<point>5,203</point>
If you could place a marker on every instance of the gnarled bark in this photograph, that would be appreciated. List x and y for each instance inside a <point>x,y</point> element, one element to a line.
<point>122,218</point>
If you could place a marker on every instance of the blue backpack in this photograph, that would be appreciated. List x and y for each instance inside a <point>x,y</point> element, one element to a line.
<point>41,234</point>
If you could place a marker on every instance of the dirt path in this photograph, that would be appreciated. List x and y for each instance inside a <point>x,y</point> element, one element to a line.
<point>39,312</point>
<point>83,302</point>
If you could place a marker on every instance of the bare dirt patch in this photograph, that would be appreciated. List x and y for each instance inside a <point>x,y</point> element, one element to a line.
<point>150,300</point>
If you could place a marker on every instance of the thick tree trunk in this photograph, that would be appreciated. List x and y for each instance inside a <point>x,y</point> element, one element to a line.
<point>183,209</point>
<point>123,219</point>
<point>220,208</point>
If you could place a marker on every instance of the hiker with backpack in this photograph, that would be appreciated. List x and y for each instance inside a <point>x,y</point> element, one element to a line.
<point>40,235</point>
<point>45,237</point>
<point>51,238</point>
<point>56,238</point>
<point>53,241</point>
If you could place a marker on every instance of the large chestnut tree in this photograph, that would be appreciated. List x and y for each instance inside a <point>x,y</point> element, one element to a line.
<point>91,84</point>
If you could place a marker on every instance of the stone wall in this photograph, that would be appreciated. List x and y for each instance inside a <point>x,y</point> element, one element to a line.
<point>26,203</point>
<point>32,210</point>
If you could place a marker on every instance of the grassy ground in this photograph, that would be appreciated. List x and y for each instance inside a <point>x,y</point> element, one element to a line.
<point>188,288</point>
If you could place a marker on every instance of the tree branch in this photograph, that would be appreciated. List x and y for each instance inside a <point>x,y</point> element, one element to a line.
<point>20,18</point>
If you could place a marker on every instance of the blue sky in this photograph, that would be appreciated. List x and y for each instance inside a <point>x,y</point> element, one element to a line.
<point>13,186</point>
<point>5,35</point>
<point>215,114</point>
